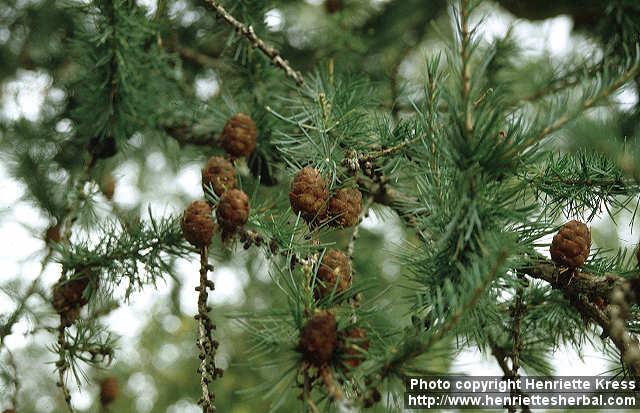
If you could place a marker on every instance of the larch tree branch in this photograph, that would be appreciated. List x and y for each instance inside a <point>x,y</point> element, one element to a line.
<point>581,288</point>
<point>207,345</point>
<point>249,33</point>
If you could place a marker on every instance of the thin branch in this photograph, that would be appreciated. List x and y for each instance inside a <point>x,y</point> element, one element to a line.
<point>559,84</point>
<point>577,287</point>
<point>333,390</point>
<point>207,345</point>
<point>62,365</point>
<point>356,230</point>
<point>355,160</point>
<point>586,104</point>
<point>307,401</point>
<point>6,328</point>
<point>186,134</point>
<point>581,282</point>
<point>256,42</point>
<point>465,40</point>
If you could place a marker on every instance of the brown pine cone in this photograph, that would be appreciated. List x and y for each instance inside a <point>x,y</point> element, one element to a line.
<point>218,174</point>
<point>239,136</point>
<point>332,6</point>
<point>571,245</point>
<point>334,274</point>
<point>69,296</point>
<point>109,390</point>
<point>233,209</point>
<point>53,234</point>
<point>345,207</point>
<point>353,344</point>
<point>108,186</point>
<point>197,224</point>
<point>309,194</point>
<point>319,339</point>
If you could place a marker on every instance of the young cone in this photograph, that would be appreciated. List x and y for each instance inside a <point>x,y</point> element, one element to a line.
<point>571,245</point>
<point>197,224</point>
<point>318,339</point>
<point>233,210</point>
<point>108,186</point>
<point>218,174</point>
<point>109,390</point>
<point>239,136</point>
<point>309,194</point>
<point>69,296</point>
<point>334,274</point>
<point>53,234</point>
<point>345,207</point>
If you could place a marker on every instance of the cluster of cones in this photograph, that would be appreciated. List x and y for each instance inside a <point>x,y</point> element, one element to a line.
<point>238,139</point>
<point>321,343</point>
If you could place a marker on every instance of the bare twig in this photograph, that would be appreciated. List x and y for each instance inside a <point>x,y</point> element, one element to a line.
<point>307,401</point>
<point>71,215</point>
<point>578,287</point>
<point>333,390</point>
<point>465,40</point>
<point>193,55</point>
<point>62,365</point>
<point>354,160</point>
<point>256,42</point>
<point>207,345</point>
<point>186,134</point>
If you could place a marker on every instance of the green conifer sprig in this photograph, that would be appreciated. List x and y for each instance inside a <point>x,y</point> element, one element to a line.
<point>139,253</point>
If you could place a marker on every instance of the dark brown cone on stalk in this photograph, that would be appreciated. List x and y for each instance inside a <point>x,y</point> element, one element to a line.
<point>345,207</point>
<point>109,390</point>
<point>309,194</point>
<point>334,274</point>
<point>353,345</point>
<point>53,234</point>
<point>233,210</point>
<point>218,174</point>
<point>9,411</point>
<point>108,186</point>
<point>571,245</point>
<point>332,6</point>
<point>239,136</point>
<point>69,296</point>
<point>197,224</point>
<point>319,339</point>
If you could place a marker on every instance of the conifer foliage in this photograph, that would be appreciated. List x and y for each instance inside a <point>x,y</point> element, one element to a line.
<point>497,169</point>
